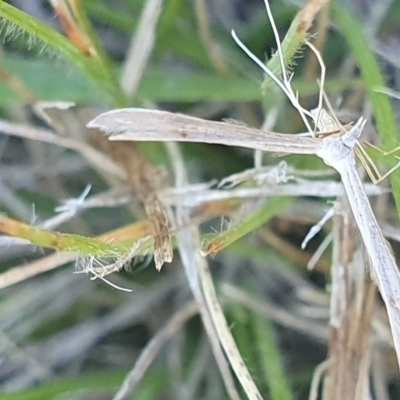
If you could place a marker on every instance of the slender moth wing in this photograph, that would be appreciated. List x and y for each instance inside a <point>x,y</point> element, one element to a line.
<point>154,125</point>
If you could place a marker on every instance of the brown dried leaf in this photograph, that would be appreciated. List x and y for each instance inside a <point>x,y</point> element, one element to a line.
<point>65,11</point>
<point>163,251</point>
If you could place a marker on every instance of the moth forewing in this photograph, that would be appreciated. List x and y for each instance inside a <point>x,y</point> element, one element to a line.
<point>154,125</point>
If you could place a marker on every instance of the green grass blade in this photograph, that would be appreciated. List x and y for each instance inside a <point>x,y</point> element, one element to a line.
<point>51,83</point>
<point>271,362</point>
<point>50,390</point>
<point>90,66</point>
<point>250,223</point>
<point>82,245</point>
<point>114,19</point>
<point>242,335</point>
<point>95,385</point>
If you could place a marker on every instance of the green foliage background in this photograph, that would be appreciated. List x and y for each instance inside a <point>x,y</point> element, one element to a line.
<point>181,76</point>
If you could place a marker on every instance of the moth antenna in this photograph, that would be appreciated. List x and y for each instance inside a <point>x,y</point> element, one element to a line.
<point>259,63</point>
<point>322,78</point>
<point>287,90</point>
<point>278,43</point>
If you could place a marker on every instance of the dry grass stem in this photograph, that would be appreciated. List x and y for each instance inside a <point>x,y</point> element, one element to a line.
<point>152,348</point>
<point>141,46</point>
<point>96,158</point>
<point>213,50</point>
<point>278,315</point>
<point>191,198</point>
<point>352,305</point>
<point>201,284</point>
